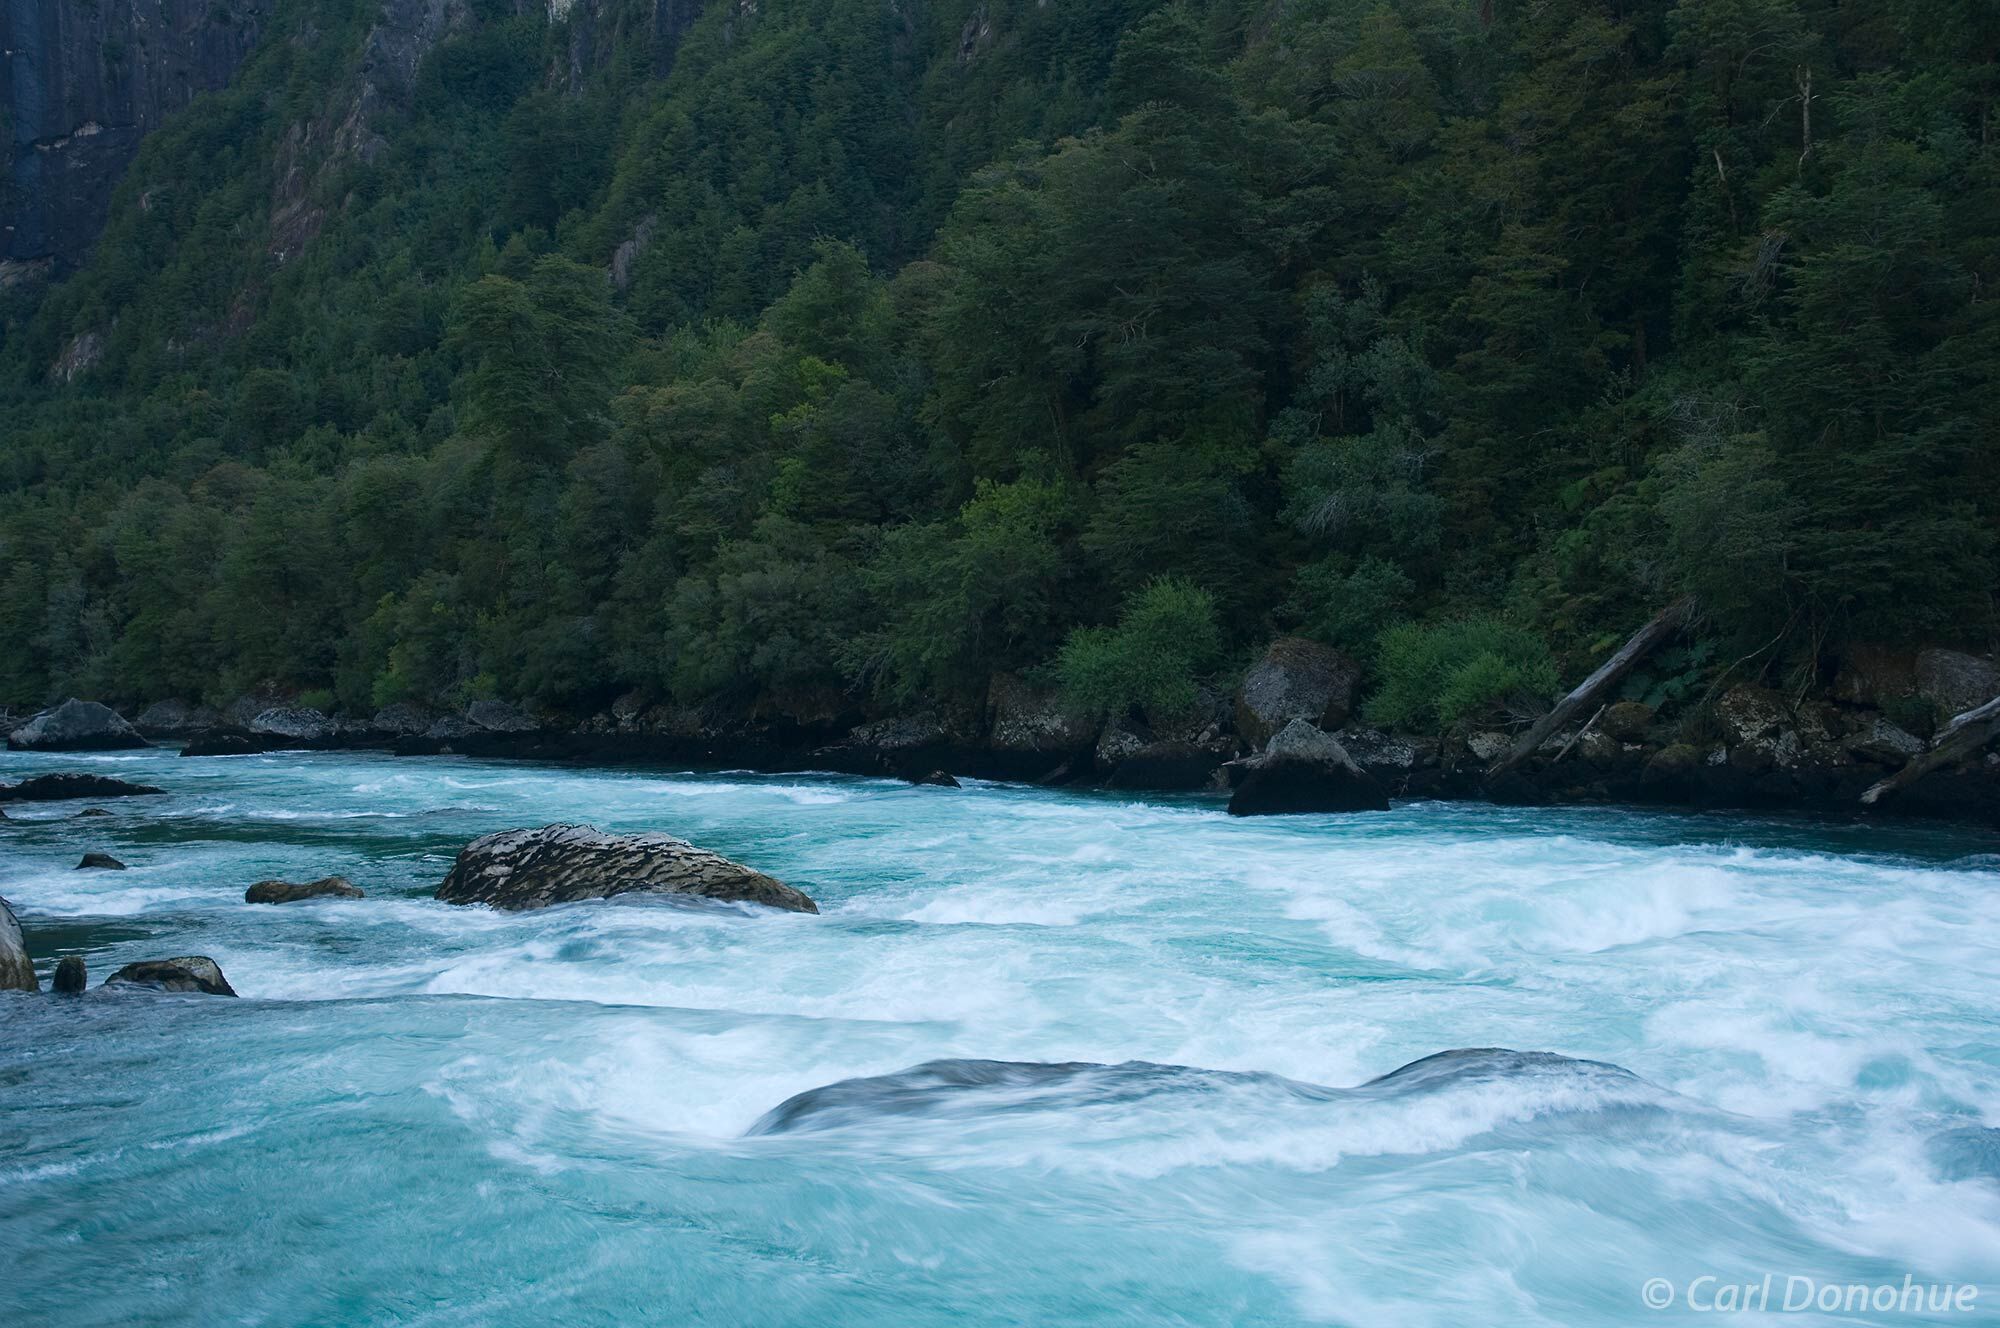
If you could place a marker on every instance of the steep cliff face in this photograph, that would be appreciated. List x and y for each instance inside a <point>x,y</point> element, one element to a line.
<point>83,81</point>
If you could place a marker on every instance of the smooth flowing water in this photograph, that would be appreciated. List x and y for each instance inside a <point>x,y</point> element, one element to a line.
<point>1064,1057</point>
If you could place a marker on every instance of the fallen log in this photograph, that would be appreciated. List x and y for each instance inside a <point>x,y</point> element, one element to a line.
<point>1642,643</point>
<point>1964,735</point>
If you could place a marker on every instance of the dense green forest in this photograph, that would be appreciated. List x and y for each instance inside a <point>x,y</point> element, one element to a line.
<point>884,344</point>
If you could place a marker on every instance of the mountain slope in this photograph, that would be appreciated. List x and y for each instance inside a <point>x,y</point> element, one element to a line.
<point>809,355</point>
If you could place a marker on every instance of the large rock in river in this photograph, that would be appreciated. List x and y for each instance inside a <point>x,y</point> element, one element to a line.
<point>291,892</point>
<point>1295,679</point>
<point>189,973</point>
<point>1304,770</point>
<point>522,869</point>
<point>75,726</point>
<point>17,971</point>
<point>54,788</point>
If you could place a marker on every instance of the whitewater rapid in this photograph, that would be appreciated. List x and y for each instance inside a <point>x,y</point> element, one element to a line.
<point>1044,1057</point>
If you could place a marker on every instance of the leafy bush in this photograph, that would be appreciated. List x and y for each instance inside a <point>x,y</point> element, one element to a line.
<point>1347,604</point>
<point>1445,675</point>
<point>1165,639</point>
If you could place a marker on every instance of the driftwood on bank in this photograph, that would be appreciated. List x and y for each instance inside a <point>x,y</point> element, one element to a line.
<point>1642,643</point>
<point>1965,735</point>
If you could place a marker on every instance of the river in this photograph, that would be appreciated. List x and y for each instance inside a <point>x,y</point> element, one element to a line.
<point>1086,1059</point>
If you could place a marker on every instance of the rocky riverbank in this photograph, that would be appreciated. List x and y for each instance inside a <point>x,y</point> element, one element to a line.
<point>1748,747</point>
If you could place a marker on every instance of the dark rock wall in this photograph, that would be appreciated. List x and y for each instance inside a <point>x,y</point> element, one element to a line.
<point>82,82</point>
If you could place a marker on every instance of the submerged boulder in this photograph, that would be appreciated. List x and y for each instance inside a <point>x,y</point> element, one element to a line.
<point>556,864</point>
<point>188,973</point>
<point>1304,770</point>
<point>71,977</point>
<point>75,726</point>
<point>54,788</point>
<point>935,779</point>
<point>99,862</point>
<point>1295,679</point>
<point>17,971</point>
<point>291,892</point>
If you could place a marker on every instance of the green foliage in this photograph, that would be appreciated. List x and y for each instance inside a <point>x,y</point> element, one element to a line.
<point>1166,639</point>
<point>1349,604</point>
<point>834,350</point>
<point>1450,675</point>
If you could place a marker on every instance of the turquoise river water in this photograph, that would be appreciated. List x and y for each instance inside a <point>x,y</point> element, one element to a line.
<point>1081,1059</point>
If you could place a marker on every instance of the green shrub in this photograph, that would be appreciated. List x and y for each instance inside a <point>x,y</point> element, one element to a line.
<point>1445,675</point>
<point>1347,604</point>
<point>1165,639</point>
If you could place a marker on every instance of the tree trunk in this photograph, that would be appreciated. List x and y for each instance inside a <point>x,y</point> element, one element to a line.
<point>1643,643</point>
<point>1966,734</point>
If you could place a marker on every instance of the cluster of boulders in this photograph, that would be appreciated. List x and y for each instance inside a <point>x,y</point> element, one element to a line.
<point>190,973</point>
<point>513,870</point>
<point>1747,747</point>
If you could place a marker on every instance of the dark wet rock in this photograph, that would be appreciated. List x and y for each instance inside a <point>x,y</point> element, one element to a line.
<point>935,779</point>
<point>17,971</point>
<point>1170,766</point>
<point>99,862</point>
<point>1034,729</point>
<point>1669,775</point>
<point>291,892</point>
<point>450,728</point>
<point>176,719</point>
<point>903,746</point>
<point>1295,679</point>
<point>54,788</point>
<point>75,726</point>
<point>1304,770</point>
<point>1765,732</point>
<point>1626,721</point>
<point>1512,788</point>
<point>556,864</point>
<point>1955,681</point>
<point>1386,755</point>
<point>401,720</point>
<point>500,717</point>
<point>187,973</point>
<point>1115,744</point>
<point>1882,742</point>
<point>293,725</point>
<point>228,742</point>
<point>70,977</point>
<point>90,811</point>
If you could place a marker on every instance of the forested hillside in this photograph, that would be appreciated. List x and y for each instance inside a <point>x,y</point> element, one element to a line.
<point>819,353</point>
